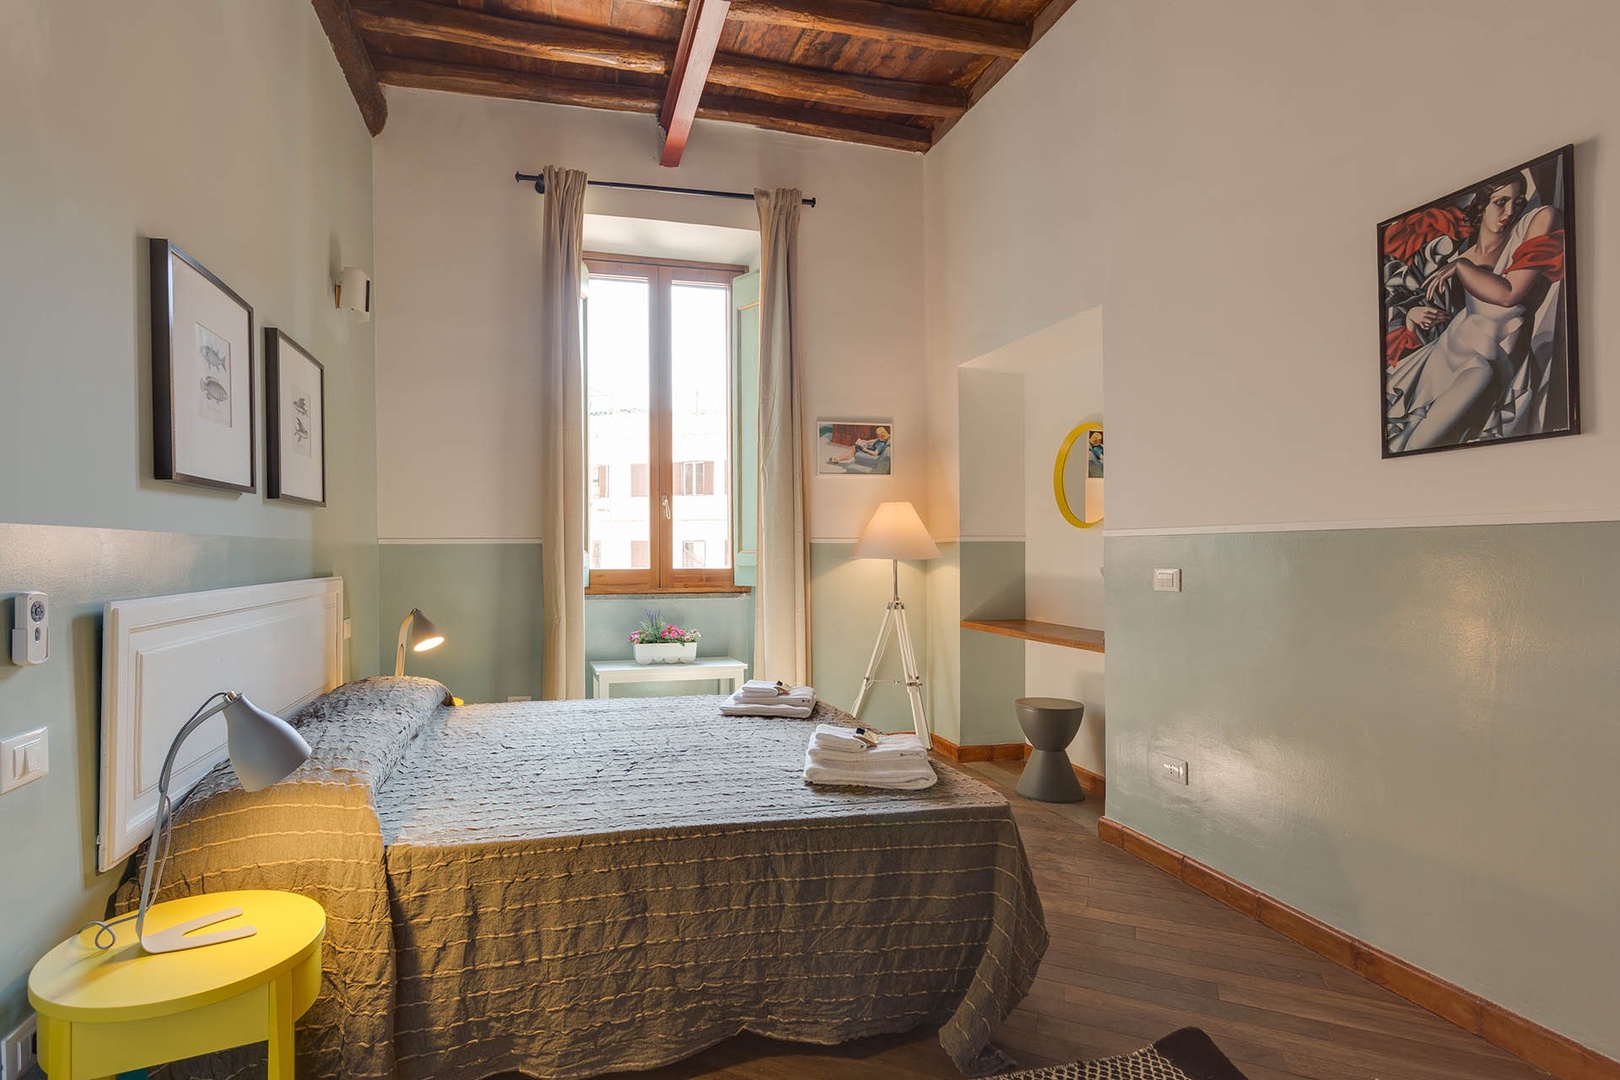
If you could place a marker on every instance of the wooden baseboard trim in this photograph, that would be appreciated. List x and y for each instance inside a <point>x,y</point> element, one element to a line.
<point>1540,1046</point>
<point>1091,783</point>
<point>981,752</point>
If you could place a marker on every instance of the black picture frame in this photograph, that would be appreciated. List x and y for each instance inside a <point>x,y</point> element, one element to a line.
<point>1460,370</point>
<point>292,431</point>
<point>185,447</point>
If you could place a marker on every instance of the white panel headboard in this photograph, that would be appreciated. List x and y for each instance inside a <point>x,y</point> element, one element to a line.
<point>279,644</point>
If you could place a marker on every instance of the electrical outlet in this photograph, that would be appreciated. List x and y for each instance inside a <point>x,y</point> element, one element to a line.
<point>19,1052</point>
<point>1171,770</point>
<point>1166,580</point>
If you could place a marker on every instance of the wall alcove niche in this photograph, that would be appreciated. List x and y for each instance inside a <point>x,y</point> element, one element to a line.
<point>1031,581</point>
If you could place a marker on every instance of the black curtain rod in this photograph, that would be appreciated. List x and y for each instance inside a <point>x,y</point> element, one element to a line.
<point>540,187</point>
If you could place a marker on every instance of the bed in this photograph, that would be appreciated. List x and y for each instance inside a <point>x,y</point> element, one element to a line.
<point>563,889</point>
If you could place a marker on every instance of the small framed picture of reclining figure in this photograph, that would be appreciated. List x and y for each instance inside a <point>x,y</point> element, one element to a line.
<point>854,447</point>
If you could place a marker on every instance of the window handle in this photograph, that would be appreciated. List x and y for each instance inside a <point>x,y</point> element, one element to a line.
<point>666,507</point>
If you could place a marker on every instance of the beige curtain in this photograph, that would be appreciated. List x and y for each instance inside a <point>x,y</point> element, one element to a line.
<point>562,426</point>
<point>781,590</point>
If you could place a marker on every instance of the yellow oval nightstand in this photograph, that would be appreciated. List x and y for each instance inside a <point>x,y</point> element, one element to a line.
<point>102,1012</point>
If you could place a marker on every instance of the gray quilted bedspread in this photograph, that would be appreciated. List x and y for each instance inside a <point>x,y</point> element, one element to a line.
<point>582,887</point>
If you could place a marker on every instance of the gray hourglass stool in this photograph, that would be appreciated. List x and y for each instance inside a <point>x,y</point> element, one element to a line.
<point>1050,724</point>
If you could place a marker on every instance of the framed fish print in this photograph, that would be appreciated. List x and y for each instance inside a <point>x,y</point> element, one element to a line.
<point>202,375</point>
<point>294,421</point>
<point>1477,313</point>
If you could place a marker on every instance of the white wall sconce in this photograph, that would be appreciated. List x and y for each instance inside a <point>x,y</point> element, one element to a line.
<point>352,292</point>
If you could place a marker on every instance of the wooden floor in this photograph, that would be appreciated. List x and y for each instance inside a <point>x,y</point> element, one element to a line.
<point>1136,954</point>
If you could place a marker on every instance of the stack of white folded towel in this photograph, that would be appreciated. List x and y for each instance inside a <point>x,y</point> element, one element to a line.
<point>757,697</point>
<point>838,755</point>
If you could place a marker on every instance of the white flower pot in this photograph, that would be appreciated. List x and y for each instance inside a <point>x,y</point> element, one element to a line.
<point>666,652</point>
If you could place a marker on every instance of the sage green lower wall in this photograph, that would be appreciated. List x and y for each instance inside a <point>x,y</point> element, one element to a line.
<point>484,598</point>
<point>48,828</point>
<point>1410,734</point>
<point>992,665</point>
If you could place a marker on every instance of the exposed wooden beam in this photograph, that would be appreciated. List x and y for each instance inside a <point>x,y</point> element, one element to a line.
<point>992,74</point>
<point>863,92</point>
<point>547,41</point>
<point>700,37</point>
<point>917,27</point>
<point>521,85</point>
<point>524,86</point>
<point>520,37</point>
<point>337,19</point>
<point>801,120</point>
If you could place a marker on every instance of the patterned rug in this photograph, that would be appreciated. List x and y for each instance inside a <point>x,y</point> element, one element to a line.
<point>1187,1054</point>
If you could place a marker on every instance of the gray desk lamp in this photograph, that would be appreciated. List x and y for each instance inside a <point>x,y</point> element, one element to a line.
<point>894,533</point>
<point>264,748</point>
<point>419,633</point>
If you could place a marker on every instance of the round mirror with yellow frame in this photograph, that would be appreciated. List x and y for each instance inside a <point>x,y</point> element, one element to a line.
<point>1077,476</point>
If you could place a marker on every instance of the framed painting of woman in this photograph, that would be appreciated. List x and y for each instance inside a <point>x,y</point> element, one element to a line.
<point>1477,313</point>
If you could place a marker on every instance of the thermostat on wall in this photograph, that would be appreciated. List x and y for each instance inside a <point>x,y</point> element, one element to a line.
<point>31,631</point>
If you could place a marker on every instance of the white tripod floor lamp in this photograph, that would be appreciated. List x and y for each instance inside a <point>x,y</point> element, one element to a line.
<point>894,533</point>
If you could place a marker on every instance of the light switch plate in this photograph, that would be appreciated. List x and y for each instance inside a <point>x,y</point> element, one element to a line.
<point>23,759</point>
<point>1170,769</point>
<point>1166,580</point>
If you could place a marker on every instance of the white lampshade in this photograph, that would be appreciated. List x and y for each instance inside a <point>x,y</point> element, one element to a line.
<point>264,748</point>
<point>896,532</point>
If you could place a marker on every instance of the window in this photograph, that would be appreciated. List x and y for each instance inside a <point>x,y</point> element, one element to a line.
<point>658,378</point>
<point>696,477</point>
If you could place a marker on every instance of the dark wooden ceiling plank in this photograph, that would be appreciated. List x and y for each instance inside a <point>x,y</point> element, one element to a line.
<point>521,37</point>
<point>886,22</point>
<point>525,86</point>
<point>800,120</point>
<point>337,19</point>
<point>863,92</point>
<point>521,85</point>
<point>1043,21</point>
<point>700,37</point>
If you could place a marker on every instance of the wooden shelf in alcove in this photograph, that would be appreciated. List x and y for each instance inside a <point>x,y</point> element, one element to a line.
<point>1070,637</point>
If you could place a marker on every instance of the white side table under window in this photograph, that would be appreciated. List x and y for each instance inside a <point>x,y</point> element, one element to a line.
<point>605,674</point>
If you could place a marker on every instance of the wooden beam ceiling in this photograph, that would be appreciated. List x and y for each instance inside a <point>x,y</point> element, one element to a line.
<point>896,74</point>
<point>851,91</point>
<point>352,56</point>
<point>519,37</point>
<point>884,22</point>
<point>700,37</point>
<point>522,86</point>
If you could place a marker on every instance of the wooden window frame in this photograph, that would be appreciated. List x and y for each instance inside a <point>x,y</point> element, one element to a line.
<point>662,575</point>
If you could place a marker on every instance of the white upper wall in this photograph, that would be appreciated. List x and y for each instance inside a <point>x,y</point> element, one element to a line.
<point>1247,352</point>
<point>457,272</point>
<point>1212,176</point>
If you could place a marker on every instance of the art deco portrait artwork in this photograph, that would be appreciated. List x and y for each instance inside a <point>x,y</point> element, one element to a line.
<point>1477,313</point>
